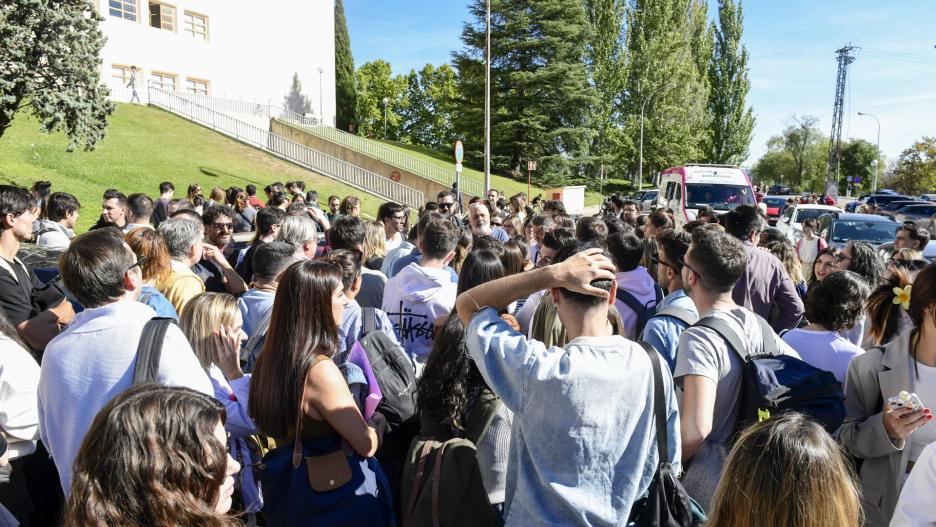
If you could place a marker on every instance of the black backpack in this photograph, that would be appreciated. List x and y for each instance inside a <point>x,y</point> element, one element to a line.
<point>666,503</point>
<point>643,311</point>
<point>149,350</point>
<point>772,383</point>
<point>395,373</point>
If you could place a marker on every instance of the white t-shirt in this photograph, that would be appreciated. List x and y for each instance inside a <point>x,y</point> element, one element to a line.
<point>826,350</point>
<point>925,388</point>
<point>808,250</point>
<point>19,414</point>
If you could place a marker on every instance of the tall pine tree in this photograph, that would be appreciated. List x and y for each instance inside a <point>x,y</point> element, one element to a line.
<point>540,92</point>
<point>345,89</point>
<point>664,79</point>
<point>296,101</point>
<point>732,123</point>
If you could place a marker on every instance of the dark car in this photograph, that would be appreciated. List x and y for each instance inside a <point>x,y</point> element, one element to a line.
<point>881,200</point>
<point>924,215</point>
<point>839,228</point>
<point>896,205</point>
<point>782,190</point>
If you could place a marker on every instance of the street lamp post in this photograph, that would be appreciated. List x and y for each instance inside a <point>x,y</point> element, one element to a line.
<point>385,101</point>
<point>321,98</point>
<point>643,107</point>
<point>878,152</point>
<point>487,99</point>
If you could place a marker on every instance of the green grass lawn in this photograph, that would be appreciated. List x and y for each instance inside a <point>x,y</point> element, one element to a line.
<point>506,185</point>
<point>145,146</point>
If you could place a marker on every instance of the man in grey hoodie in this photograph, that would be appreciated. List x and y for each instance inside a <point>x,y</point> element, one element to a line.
<point>420,297</point>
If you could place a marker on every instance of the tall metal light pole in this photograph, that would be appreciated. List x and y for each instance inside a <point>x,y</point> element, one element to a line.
<point>321,99</point>
<point>385,101</point>
<point>487,99</point>
<point>876,154</point>
<point>643,107</point>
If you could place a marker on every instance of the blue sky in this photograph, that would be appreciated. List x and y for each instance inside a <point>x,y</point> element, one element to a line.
<point>792,66</point>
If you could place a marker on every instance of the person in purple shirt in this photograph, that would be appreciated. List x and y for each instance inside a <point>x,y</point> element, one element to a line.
<point>765,287</point>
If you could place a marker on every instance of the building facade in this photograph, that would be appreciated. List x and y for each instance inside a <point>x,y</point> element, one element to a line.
<point>234,49</point>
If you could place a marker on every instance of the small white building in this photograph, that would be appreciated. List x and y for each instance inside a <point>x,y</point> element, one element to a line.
<point>235,49</point>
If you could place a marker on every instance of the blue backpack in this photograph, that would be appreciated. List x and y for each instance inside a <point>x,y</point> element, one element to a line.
<point>643,311</point>
<point>772,383</point>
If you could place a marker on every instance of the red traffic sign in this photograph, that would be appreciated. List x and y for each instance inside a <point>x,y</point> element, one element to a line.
<point>459,152</point>
<point>531,165</point>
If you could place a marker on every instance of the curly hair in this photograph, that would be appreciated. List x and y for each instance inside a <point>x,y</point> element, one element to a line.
<point>783,249</point>
<point>450,379</point>
<point>151,458</point>
<point>837,302</point>
<point>866,262</point>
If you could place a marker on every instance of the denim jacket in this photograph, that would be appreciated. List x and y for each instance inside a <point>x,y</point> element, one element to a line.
<point>583,446</point>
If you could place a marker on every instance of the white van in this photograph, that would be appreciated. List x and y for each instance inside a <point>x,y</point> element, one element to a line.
<point>686,189</point>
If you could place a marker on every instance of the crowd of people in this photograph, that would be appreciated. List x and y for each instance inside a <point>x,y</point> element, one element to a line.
<point>490,363</point>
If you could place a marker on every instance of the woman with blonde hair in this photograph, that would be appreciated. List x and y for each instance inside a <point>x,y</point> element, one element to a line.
<point>154,455</point>
<point>213,325</point>
<point>153,255</point>
<point>216,197</point>
<point>786,471</point>
<point>513,225</point>
<point>375,248</point>
<point>786,253</point>
<point>193,190</point>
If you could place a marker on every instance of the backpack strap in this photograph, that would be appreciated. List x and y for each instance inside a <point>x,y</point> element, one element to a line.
<point>725,332</point>
<point>417,481</point>
<point>659,403</point>
<point>658,293</point>
<point>149,350</point>
<point>370,319</point>
<point>436,483</point>
<point>683,315</point>
<point>631,301</point>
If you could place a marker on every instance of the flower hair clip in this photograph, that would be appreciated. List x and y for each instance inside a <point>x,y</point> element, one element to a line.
<point>902,296</point>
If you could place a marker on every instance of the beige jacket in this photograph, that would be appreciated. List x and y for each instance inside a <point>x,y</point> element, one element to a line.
<point>872,378</point>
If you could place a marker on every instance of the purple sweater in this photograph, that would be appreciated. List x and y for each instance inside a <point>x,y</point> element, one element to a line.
<point>765,286</point>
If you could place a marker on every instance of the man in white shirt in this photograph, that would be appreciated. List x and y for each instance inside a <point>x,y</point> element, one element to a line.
<point>139,211</point>
<point>393,219</point>
<point>92,361</point>
<point>56,231</point>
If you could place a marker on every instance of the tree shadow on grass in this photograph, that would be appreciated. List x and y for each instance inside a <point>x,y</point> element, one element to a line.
<point>215,173</point>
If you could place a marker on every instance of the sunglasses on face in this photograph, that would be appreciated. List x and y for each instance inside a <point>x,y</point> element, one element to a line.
<point>445,205</point>
<point>223,226</point>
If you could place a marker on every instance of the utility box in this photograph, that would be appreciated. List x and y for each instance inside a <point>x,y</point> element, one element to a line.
<point>572,197</point>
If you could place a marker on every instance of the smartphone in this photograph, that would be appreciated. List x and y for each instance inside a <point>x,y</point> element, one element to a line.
<point>911,401</point>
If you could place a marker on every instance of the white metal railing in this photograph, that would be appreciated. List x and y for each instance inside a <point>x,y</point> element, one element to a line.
<point>345,172</point>
<point>315,126</point>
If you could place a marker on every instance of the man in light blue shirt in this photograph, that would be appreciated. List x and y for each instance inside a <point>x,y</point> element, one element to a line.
<point>676,311</point>
<point>583,445</point>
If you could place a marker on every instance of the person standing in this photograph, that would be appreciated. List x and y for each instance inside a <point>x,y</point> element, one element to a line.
<point>393,219</point>
<point>62,211</point>
<point>809,246</point>
<point>161,209</point>
<point>113,210</point>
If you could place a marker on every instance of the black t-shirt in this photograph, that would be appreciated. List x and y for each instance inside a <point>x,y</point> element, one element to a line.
<point>16,294</point>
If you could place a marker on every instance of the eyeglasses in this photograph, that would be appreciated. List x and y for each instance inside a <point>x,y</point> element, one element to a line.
<point>902,263</point>
<point>223,226</point>
<point>445,205</point>
<point>139,263</point>
<point>682,263</point>
<point>840,257</point>
<point>656,261</point>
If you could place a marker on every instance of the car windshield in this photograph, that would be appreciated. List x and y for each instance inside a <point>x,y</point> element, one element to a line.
<point>809,214</point>
<point>774,202</point>
<point>875,232</point>
<point>719,197</point>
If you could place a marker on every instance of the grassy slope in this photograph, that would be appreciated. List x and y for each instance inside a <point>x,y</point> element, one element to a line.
<point>506,185</point>
<point>145,146</point>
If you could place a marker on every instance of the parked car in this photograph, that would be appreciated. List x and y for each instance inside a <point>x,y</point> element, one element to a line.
<point>685,189</point>
<point>924,215</point>
<point>896,205</point>
<point>881,200</point>
<point>782,190</point>
<point>775,206</point>
<point>839,228</point>
<point>887,249</point>
<point>791,221</point>
<point>647,201</point>
<point>928,197</point>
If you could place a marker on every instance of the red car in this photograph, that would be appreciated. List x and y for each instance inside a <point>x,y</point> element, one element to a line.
<point>775,206</point>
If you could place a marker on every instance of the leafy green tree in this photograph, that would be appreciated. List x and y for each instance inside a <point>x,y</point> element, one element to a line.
<point>795,157</point>
<point>663,78</point>
<point>857,157</point>
<point>345,88</point>
<point>606,60</point>
<point>703,38</point>
<point>49,65</point>
<point>800,138</point>
<point>375,82</point>
<point>915,172</point>
<point>732,124</point>
<point>541,97</point>
<point>295,100</point>
<point>429,116</point>
<point>776,166</point>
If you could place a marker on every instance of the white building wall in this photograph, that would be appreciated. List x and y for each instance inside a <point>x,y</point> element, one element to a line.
<point>252,51</point>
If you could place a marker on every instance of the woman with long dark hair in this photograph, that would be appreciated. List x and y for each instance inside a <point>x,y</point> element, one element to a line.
<point>154,456</point>
<point>299,397</point>
<point>825,264</point>
<point>890,439</point>
<point>861,258</point>
<point>451,388</point>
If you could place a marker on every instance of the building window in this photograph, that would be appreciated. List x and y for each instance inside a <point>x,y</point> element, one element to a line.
<point>196,25</point>
<point>163,81</point>
<point>162,16</point>
<point>196,86</point>
<point>126,9</point>
<point>123,74</point>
